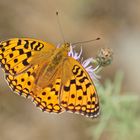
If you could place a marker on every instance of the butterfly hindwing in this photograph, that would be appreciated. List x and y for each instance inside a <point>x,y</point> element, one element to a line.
<point>78,94</point>
<point>48,98</point>
<point>23,83</point>
<point>46,94</point>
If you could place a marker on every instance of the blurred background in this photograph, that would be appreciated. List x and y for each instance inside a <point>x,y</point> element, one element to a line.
<point>117,23</point>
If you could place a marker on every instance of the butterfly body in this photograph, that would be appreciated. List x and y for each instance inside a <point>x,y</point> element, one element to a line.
<point>56,81</point>
<point>59,56</point>
<point>48,69</point>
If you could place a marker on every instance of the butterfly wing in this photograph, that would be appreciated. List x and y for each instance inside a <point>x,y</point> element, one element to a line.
<point>46,98</point>
<point>21,59</point>
<point>78,93</point>
<point>19,54</point>
<point>23,83</point>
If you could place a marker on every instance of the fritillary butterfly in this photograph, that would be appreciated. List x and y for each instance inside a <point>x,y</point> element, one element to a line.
<point>55,81</point>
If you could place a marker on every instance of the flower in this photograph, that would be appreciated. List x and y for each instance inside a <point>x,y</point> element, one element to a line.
<point>104,56</point>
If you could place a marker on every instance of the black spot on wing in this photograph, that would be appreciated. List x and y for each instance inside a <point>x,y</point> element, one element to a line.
<point>75,69</point>
<point>3,49</point>
<point>32,44</point>
<point>66,88</point>
<point>26,45</point>
<point>39,46</point>
<point>25,63</point>
<point>21,51</point>
<point>19,42</point>
<point>81,74</point>
<point>78,87</point>
<point>83,79</point>
<point>72,96</point>
<point>11,55</point>
<point>53,89</point>
<point>87,85</point>
<point>72,81</point>
<point>29,54</point>
<point>1,46</point>
<point>13,49</point>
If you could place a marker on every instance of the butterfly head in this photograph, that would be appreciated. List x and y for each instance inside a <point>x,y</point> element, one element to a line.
<point>66,47</point>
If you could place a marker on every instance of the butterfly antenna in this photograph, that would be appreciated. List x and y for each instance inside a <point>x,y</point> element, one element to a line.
<point>86,41</point>
<point>60,27</point>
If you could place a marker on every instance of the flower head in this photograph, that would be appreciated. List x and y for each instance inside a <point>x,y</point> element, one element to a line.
<point>104,56</point>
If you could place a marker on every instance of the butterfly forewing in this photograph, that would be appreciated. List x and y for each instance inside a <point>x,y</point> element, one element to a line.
<point>78,94</point>
<point>16,55</point>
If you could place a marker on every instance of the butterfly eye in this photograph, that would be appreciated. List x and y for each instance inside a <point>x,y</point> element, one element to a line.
<point>67,45</point>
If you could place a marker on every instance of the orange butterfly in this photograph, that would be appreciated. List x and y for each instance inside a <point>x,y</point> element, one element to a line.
<point>56,81</point>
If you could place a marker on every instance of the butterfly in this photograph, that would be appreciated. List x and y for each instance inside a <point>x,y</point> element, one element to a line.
<point>55,81</point>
